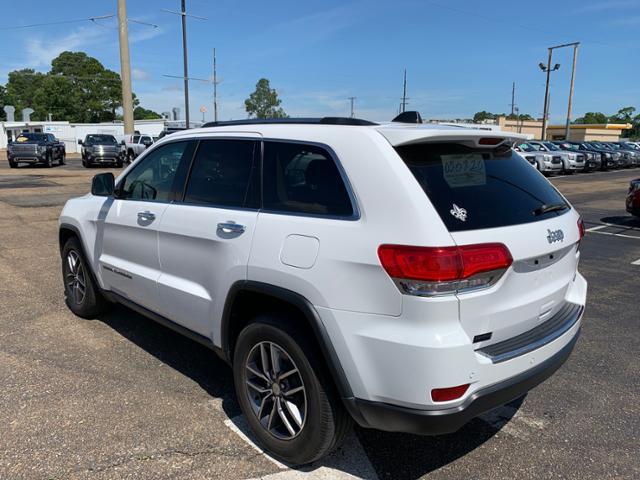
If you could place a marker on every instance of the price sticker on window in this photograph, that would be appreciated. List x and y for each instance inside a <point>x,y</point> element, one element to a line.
<point>464,170</point>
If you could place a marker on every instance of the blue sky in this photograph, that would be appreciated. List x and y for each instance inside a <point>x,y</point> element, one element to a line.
<point>461,56</point>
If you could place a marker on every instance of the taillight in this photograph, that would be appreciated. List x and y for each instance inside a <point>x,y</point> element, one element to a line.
<point>490,141</point>
<point>581,228</point>
<point>449,393</point>
<point>444,270</point>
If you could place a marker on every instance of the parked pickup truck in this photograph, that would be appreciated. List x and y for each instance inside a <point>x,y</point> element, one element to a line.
<point>99,149</point>
<point>42,148</point>
<point>136,144</point>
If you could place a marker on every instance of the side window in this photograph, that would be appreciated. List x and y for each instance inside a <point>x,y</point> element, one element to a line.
<point>221,173</point>
<point>303,179</point>
<point>153,177</point>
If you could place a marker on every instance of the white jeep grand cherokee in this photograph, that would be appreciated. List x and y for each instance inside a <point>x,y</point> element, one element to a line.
<point>407,277</point>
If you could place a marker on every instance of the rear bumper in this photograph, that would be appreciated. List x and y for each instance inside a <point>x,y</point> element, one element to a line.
<point>392,418</point>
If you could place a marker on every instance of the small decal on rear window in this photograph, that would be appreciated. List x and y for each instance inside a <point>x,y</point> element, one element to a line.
<point>459,213</point>
<point>464,170</point>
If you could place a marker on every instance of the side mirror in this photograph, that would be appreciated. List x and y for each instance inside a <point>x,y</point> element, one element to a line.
<point>103,185</point>
<point>79,142</point>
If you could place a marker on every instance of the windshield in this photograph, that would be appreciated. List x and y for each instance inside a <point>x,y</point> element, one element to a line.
<point>136,138</point>
<point>479,188</point>
<point>552,146</point>
<point>526,147</point>
<point>569,146</point>
<point>31,137</point>
<point>100,140</point>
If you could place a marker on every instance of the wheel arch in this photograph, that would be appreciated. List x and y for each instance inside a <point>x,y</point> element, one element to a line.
<point>243,300</point>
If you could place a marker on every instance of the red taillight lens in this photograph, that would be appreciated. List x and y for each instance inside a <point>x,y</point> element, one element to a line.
<point>448,394</point>
<point>421,263</point>
<point>438,264</point>
<point>581,228</point>
<point>484,258</point>
<point>490,141</point>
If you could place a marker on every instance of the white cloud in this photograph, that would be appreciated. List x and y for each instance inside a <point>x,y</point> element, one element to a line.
<point>40,52</point>
<point>139,74</point>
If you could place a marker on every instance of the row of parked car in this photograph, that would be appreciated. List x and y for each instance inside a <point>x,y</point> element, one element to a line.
<point>96,149</point>
<point>563,156</point>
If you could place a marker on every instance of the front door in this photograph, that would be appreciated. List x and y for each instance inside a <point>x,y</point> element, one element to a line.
<point>129,260</point>
<point>205,239</point>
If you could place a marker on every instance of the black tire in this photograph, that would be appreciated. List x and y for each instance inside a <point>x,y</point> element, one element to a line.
<point>91,303</point>
<point>61,161</point>
<point>119,164</point>
<point>47,160</point>
<point>13,164</point>
<point>325,424</point>
<point>130,156</point>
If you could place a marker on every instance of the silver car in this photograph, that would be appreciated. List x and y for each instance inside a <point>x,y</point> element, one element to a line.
<point>544,162</point>
<point>571,162</point>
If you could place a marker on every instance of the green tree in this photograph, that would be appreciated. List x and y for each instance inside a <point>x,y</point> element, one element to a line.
<point>264,102</point>
<point>3,101</point>
<point>78,89</point>
<point>480,117</point>
<point>592,117</point>
<point>22,87</point>
<point>624,115</point>
<point>140,113</point>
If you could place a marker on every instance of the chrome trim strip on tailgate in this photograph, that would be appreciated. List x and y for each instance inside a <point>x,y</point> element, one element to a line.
<point>535,338</point>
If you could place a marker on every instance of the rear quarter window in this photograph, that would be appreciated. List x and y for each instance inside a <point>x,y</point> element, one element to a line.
<point>479,188</point>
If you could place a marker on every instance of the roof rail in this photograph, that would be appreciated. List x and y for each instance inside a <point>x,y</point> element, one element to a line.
<point>303,121</point>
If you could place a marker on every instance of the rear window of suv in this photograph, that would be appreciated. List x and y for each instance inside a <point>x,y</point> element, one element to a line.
<point>480,188</point>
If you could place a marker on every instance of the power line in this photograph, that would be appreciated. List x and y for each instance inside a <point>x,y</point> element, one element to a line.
<point>60,22</point>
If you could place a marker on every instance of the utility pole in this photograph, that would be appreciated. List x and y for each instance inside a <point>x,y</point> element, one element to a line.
<point>404,93</point>
<point>352,102</point>
<point>184,57</point>
<point>215,88</point>
<point>125,69</point>
<point>513,98</point>
<point>573,74</point>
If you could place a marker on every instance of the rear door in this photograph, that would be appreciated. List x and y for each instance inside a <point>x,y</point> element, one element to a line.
<point>129,260</point>
<point>205,237</point>
<point>492,195</point>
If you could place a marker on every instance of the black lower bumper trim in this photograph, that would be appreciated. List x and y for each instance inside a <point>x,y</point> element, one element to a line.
<point>393,418</point>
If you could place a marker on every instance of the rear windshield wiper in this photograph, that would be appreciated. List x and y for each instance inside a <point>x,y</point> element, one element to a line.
<point>550,207</point>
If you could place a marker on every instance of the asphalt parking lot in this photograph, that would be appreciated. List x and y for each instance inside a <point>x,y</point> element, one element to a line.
<point>122,397</point>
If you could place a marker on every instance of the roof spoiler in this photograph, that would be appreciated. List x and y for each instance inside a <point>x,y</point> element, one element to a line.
<point>408,117</point>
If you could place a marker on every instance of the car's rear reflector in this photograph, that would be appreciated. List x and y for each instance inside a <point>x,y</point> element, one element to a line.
<point>449,393</point>
<point>442,270</point>
<point>490,141</point>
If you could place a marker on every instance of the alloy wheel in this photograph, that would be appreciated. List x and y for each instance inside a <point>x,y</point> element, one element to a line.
<point>75,277</point>
<point>276,391</point>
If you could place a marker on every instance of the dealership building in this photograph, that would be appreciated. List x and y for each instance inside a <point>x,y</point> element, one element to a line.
<point>605,132</point>
<point>70,133</point>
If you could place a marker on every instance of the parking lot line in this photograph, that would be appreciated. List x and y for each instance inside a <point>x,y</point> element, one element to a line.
<point>596,228</point>
<point>347,462</point>
<point>637,262</point>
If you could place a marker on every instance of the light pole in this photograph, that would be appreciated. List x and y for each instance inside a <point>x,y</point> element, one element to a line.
<point>547,68</point>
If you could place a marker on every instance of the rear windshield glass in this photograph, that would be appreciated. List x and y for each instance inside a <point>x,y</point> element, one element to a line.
<point>100,139</point>
<point>478,188</point>
<point>31,137</point>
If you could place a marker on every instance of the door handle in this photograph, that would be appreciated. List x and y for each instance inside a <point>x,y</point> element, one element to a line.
<point>231,227</point>
<point>146,215</point>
